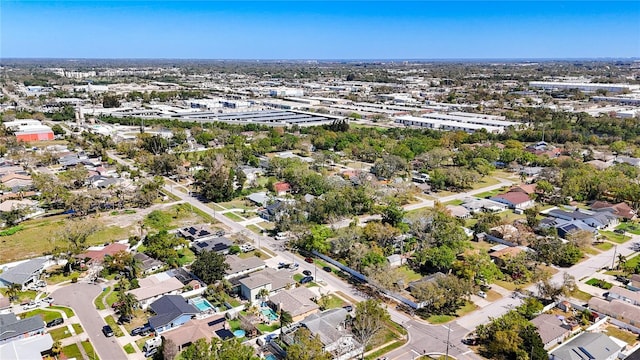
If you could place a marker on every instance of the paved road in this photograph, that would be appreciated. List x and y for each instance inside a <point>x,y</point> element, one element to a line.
<point>80,297</point>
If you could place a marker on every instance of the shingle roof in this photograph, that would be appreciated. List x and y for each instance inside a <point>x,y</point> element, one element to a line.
<point>296,301</point>
<point>168,308</point>
<point>549,327</point>
<point>236,264</point>
<point>513,197</point>
<point>21,273</point>
<point>587,346</point>
<point>325,324</point>
<point>11,327</point>
<point>27,348</point>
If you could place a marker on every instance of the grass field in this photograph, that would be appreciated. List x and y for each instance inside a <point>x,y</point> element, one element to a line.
<point>616,238</point>
<point>238,204</point>
<point>129,349</point>
<point>632,227</point>
<point>77,328</point>
<point>599,283</point>
<point>111,298</point>
<point>603,246</point>
<point>454,202</point>
<point>44,314</point>
<point>624,335</point>
<point>60,333</point>
<point>408,275</point>
<point>441,319</point>
<point>581,295</point>
<point>88,348</point>
<point>98,300</point>
<point>233,216</point>
<point>376,354</point>
<point>38,237</point>
<point>72,351</point>
<point>68,311</point>
<point>488,194</point>
<point>633,262</point>
<point>331,302</point>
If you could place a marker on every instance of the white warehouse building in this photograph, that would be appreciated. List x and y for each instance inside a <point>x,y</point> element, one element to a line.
<point>588,87</point>
<point>446,125</point>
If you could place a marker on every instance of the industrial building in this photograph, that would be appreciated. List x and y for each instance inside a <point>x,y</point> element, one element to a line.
<point>446,125</point>
<point>266,117</point>
<point>29,130</point>
<point>587,87</point>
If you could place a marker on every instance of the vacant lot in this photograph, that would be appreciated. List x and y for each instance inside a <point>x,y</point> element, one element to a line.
<point>39,236</point>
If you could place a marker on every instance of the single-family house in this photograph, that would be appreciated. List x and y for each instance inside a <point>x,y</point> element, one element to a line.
<point>597,220</point>
<point>270,279</point>
<point>272,212</point>
<point>96,254</point>
<point>394,260</point>
<point>12,328</point>
<point>599,164</point>
<point>619,293</point>
<point>514,200</point>
<point>296,301</point>
<point>198,233</point>
<point>596,346</point>
<point>259,198</point>
<point>23,274</point>
<point>281,188</point>
<point>251,173</point>
<point>148,264</point>
<point>459,211</point>
<point>220,245</point>
<point>621,210</point>
<point>329,327</point>
<point>553,329</point>
<point>196,329</point>
<point>239,266</point>
<point>617,309</point>
<point>528,189</point>
<point>34,347</point>
<point>15,182</point>
<point>499,257</point>
<point>154,287</point>
<point>475,205</point>
<point>171,312</point>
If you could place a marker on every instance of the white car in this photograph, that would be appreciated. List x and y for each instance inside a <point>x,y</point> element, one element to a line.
<point>247,247</point>
<point>29,306</point>
<point>47,300</point>
<point>482,294</point>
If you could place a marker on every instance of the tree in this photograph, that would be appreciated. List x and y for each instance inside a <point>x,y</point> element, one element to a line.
<point>306,347</point>
<point>57,129</point>
<point>110,101</point>
<point>551,291</point>
<point>316,239</point>
<point>209,266</point>
<point>169,349</point>
<point>510,337</point>
<point>285,319</point>
<point>392,214</point>
<point>56,349</point>
<point>215,181</point>
<point>530,308</point>
<point>370,318</point>
<point>218,349</point>
<point>76,233</point>
<point>126,302</point>
<point>12,291</point>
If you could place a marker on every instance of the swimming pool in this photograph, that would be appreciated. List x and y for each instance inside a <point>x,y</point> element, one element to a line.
<point>271,357</point>
<point>201,304</point>
<point>270,314</point>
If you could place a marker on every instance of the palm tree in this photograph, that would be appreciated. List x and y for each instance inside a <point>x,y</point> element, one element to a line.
<point>285,319</point>
<point>622,261</point>
<point>127,303</point>
<point>12,291</point>
<point>263,293</point>
<point>56,349</point>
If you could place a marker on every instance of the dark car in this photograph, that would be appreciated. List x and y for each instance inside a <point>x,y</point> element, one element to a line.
<point>142,330</point>
<point>618,231</point>
<point>306,279</point>
<point>107,331</point>
<point>124,319</point>
<point>306,273</point>
<point>54,322</point>
<point>327,269</point>
<point>309,260</point>
<point>349,308</point>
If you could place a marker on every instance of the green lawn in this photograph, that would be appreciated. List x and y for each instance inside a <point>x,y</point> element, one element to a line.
<point>112,322</point>
<point>60,333</point>
<point>112,297</point>
<point>255,229</point>
<point>88,348</point>
<point>632,227</point>
<point>68,311</point>
<point>129,349</point>
<point>599,283</point>
<point>624,335</point>
<point>604,246</point>
<point>616,238</point>
<point>408,274</point>
<point>233,216</point>
<point>581,295</point>
<point>77,328</point>
<point>331,302</point>
<point>454,202</point>
<point>234,324</point>
<point>297,277</point>
<point>376,354</point>
<point>590,250</point>
<point>44,314</point>
<point>98,300</point>
<point>632,263</point>
<point>72,351</point>
<point>186,256</point>
<point>441,319</point>
<point>268,328</point>
<point>238,204</point>
<point>485,181</point>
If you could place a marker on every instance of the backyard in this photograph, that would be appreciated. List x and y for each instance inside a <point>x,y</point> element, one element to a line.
<point>632,227</point>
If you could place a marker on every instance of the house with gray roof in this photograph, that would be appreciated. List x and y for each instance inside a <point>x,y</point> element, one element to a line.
<point>270,279</point>
<point>239,266</point>
<point>619,293</point>
<point>552,329</point>
<point>26,348</point>
<point>24,273</point>
<point>171,312</point>
<point>587,346</point>
<point>296,301</point>
<point>12,328</point>
<point>220,245</point>
<point>597,220</point>
<point>329,326</point>
<point>148,264</point>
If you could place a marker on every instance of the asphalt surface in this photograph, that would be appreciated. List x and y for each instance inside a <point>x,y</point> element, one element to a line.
<point>80,297</point>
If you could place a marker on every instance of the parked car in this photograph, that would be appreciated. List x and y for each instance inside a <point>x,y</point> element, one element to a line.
<point>47,300</point>
<point>349,308</point>
<point>29,306</point>
<point>247,247</point>
<point>306,279</point>
<point>306,272</point>
<point>151,352</point>
<point>618,231</point>
<point>107,331</point>
<point>124,319</point>
<point>327,269</point>
<point>142,330</point>
<point>54,322</point>
<point>309,260</point>
<point>482,294</point>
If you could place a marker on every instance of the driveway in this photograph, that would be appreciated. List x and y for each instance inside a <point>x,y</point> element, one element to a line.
<point>80,297</point>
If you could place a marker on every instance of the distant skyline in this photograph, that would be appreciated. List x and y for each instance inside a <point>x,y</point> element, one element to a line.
<point>319,30</point>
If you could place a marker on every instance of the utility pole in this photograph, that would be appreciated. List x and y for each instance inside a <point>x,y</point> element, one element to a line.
<point>446,357</point>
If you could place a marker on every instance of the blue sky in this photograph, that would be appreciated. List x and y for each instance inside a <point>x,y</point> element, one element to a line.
<point>319,30</point>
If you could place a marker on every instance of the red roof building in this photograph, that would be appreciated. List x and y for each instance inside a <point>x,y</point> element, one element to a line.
<point>282,187</point>
<point>98,255</point>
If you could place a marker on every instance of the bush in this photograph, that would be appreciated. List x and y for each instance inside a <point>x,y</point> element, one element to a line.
<point>234,249</point>
<point>12,230</point>
<point>74,278</point>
